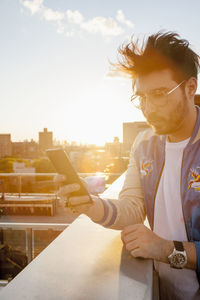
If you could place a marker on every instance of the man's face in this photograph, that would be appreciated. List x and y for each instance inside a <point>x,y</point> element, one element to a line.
<point>167,118</point>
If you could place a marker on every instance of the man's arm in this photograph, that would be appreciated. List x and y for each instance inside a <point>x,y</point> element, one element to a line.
<point>129,207</point>
<point>115,214</point>
<point>142,242</point>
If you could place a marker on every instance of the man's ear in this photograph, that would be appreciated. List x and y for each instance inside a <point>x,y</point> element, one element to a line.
<point>191,87</point>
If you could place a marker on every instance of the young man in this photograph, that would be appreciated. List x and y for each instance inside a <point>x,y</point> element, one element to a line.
<point>163,176</point>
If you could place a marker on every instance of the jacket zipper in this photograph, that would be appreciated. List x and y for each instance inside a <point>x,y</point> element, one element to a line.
<point>156,193</point>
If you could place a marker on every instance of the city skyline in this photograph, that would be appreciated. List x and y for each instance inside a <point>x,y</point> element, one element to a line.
<point>55,63</point>
<point>55,140</point>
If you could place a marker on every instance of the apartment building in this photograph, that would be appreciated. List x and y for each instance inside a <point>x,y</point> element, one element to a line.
<point>5,145</point>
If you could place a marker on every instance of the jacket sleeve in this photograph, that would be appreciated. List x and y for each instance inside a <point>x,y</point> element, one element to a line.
<point>129,208</point>
<point>197,244</point>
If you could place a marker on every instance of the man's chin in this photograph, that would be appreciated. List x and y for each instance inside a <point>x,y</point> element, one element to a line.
<point>160,131</point>
<point>161,127</point>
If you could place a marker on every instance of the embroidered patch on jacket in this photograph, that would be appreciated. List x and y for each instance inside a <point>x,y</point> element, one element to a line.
<point>194,180</point>
<point>146,167</point>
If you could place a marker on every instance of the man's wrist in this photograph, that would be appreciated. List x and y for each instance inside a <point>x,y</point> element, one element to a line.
<point>96,210</point>
<point>190,249</point>
<point>166,249</point>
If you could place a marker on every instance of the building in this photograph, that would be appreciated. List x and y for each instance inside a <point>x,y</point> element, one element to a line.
<point>5,145</point>
<point>45,139</point>
<point>130,131</point>
<point>115,148</point>
<point>25,149</point>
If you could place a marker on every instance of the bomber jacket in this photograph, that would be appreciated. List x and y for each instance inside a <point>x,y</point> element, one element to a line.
<point>137,197</point>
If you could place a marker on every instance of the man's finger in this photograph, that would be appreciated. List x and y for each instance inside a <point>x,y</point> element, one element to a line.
<point>132,245</point>
<point>71,211</point>
<point>59,178</point>
<point>67,189</point>
<point>130,237</point>
<point>78,200</point>
<point>136,253</point>
<point>132,228</point>
<point>80,209</point>
<point>127,230</point>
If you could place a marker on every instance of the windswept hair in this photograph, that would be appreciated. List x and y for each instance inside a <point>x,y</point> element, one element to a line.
<point>162,50</point>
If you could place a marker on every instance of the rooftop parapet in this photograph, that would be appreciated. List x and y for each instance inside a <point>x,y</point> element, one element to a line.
<point>86,261</point>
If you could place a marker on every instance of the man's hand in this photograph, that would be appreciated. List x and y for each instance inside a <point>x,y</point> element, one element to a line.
<point>64,193</point>
<point>142,242</point>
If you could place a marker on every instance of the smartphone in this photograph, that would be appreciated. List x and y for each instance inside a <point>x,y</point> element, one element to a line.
<point>62,164</point>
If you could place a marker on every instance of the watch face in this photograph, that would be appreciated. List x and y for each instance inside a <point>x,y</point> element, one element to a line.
<point>178,259</point>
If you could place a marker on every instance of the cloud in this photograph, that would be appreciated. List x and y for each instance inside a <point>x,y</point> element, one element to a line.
<point>105,26</point>
<point>73,22</point>
<point>51,15</point>
<point>60,27</point>
<point>74,17</point>
<point>34,6</point>
<point>121,18</point>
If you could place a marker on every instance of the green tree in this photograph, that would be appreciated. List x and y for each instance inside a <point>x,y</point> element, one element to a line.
<point>43,165</point>
<point>6,164</point>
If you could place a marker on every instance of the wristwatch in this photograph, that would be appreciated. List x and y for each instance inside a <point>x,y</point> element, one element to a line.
<point>178,257</point>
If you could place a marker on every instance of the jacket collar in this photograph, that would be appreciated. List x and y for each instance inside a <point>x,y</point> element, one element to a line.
<point>196,132</point>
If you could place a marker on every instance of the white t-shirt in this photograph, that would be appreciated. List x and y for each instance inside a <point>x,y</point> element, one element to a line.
<point>169,224</point>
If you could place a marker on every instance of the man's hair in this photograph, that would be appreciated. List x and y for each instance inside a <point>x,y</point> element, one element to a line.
<point>162,50</point>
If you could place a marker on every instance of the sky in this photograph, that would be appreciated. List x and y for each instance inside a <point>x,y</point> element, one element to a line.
<point>55,69</point>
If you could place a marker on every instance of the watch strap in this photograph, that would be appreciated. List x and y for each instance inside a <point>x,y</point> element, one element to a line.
<point>178,246</point>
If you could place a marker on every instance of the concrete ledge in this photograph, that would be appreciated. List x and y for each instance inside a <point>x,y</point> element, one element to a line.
<point>86,261</point>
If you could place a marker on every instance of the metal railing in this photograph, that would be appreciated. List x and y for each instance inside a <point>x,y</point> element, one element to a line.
<point>20,177</point>
<point>29,229</point>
